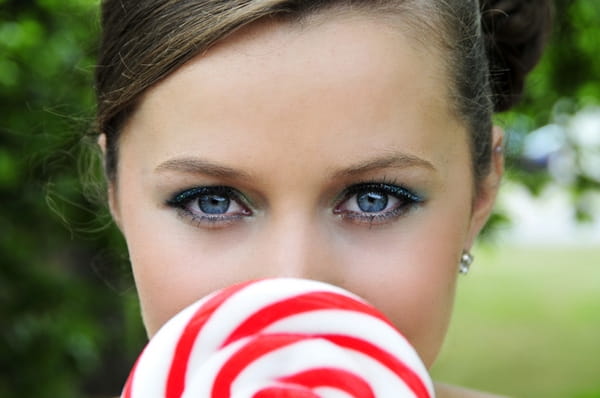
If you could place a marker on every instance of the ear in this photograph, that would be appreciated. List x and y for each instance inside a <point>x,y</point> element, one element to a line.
<point>111,196</point>
<point>484,199</point>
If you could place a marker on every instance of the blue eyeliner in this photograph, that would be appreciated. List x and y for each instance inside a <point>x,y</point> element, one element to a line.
<point>189,194</point>
<point>392,189</point>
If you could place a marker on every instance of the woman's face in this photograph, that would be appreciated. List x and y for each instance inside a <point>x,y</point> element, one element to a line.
<point>326,152</point>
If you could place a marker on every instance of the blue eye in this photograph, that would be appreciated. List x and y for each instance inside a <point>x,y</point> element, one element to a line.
<point>214,204</point>
<point>210,206</point>
<point>372,202</point>
<point>376,203</point>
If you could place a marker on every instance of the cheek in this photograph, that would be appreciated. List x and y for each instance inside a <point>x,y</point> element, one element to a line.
<point>411,277</point>
<point>168,278</point>
<point>162,275</point>
<point>175,264</point>
<point>161,259</point>
<point>418,302</point>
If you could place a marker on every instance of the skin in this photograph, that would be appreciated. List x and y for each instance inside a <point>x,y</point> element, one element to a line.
<point>291,116</point>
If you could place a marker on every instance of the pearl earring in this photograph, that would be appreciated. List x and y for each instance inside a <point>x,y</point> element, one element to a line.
<point>465,262</point>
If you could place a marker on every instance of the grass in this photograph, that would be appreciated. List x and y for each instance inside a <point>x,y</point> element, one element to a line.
<point>527,324</point>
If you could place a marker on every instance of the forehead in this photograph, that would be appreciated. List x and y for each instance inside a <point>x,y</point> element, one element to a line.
<point>336,86</point>
<point>354,50</point>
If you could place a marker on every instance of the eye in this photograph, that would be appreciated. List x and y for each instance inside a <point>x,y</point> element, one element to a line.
<point>372,202</point>
<point>213,203</point>
<point>376,203</point>
<point>210,206</point>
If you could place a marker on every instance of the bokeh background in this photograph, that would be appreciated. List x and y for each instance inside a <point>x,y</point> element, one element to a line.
<point>527,320</point>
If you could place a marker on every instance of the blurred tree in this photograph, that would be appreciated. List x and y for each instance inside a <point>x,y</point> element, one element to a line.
<point>65,333</point>
<point>70,323</point>
<point>564,85</point>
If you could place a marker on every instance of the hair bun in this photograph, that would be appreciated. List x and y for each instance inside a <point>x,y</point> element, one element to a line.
<point>515,32</point>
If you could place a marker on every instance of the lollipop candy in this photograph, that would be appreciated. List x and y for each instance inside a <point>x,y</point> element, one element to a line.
<point>279,338</point>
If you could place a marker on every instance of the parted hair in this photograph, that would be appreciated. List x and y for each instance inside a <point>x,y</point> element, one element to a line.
<point>488,47</point>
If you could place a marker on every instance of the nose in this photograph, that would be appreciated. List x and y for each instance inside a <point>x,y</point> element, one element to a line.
<point>298,246</point>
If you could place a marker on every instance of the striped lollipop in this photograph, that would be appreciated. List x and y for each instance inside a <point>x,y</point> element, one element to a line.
<point>279,338</point>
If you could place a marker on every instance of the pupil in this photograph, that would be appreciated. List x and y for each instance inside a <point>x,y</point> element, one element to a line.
<point>372,202</point>
<point>213,204</point>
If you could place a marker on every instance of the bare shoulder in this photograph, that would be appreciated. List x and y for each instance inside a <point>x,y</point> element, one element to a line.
<point>447,391</point>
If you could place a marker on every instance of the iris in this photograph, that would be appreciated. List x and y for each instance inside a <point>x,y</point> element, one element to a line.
<point>372,202</point>
<point>213,203</point>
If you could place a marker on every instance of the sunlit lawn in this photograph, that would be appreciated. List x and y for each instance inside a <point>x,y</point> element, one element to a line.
<point>527,324</point>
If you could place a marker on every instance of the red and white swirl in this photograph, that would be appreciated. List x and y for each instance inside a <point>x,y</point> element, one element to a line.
<point>279,338</point>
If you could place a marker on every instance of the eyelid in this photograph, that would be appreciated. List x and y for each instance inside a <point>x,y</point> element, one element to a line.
<point>186,195</point>
<point>409,201</point>
<point>387,187</point>
<point>182,200</point>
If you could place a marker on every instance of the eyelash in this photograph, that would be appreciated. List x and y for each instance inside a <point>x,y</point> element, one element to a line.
<point>184,200</point>
<point>407,199</point>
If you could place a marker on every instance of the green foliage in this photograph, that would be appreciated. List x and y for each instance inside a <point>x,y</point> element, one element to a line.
<point>570,66</point>
<point>70,322</point>
<point>62,326</point>
<point>563,85</point>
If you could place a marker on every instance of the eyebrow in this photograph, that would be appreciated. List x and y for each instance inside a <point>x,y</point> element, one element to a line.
<point>194,165</point>
<point>398,160</point>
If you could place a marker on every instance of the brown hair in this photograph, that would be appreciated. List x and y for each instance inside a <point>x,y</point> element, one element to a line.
<point>491,47</point>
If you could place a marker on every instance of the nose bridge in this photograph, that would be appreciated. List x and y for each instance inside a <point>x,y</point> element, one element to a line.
<point>297,247</point>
